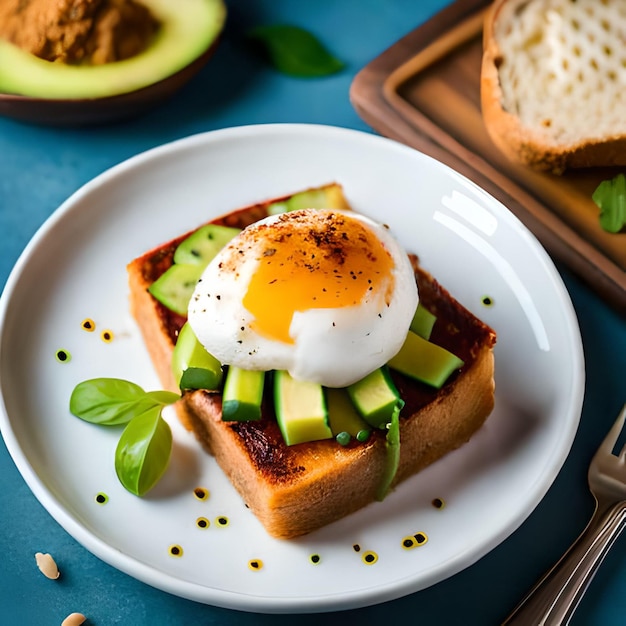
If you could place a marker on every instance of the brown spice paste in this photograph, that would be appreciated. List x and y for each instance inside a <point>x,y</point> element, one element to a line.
<point>78,31</point>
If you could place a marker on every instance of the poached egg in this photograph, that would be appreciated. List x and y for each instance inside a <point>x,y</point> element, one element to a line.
<point>327,295</point>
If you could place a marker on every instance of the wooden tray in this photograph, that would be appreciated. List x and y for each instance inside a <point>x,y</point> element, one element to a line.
<point>425,92</point>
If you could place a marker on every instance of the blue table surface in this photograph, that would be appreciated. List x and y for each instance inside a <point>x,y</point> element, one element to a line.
<point>41,166</point>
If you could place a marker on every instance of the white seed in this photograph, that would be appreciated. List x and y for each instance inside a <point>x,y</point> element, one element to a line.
<point>73,619</point>
<point>47,565</point>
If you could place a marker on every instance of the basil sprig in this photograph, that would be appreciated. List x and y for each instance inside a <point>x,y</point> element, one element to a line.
<point>610,196</point>
<point>112,401</point>
<point>144,449</point>
<point>143,452</point>
<point>295,51</point>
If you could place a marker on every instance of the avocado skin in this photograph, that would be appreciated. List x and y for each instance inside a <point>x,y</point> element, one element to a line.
<point>85,112</point>
<point>36,90</point>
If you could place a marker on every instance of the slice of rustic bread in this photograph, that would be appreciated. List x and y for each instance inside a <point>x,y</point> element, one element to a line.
<point>294,490</point>
<point>553,81</point>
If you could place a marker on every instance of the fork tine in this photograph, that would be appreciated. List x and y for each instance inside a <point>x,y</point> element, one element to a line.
<point>607,445</point>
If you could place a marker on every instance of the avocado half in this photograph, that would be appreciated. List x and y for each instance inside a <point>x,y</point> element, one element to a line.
<point>188,31</point>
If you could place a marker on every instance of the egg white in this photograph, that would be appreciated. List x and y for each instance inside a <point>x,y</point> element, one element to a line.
<point>332,346</point>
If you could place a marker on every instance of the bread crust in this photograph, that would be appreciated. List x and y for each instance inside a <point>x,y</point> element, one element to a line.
<point>326,481</point>
<point>521,143</point>
<point>294,490</point>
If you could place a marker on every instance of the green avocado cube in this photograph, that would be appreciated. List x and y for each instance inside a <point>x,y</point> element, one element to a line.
<point>301,410</point>
<point>243,395</point>
<point>425,361</point>
<point>375,397</point>
<point>193,367</point>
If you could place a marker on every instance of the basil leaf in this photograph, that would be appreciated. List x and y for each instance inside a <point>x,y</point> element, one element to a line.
<point>610,196</point>
<point>295,51</point>
<point>113,401</point>
<point>143,452</point>
<point>393,451</point>
<point>163,398</point>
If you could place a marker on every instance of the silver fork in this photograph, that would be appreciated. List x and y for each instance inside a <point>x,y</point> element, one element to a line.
<point>553,600</point>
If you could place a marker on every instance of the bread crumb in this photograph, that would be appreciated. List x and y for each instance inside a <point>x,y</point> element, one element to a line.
<point>74,619</point>
<point>47,565</point>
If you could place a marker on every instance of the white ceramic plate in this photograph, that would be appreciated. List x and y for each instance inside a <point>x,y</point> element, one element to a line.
<point>74,269</point>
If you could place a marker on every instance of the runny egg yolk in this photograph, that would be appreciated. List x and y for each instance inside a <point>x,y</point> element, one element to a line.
<point>320,261</point>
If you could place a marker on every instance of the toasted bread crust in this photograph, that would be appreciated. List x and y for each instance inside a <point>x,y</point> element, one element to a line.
<point>525,144</point>
<point>294,490</point>
<point>320,482</point>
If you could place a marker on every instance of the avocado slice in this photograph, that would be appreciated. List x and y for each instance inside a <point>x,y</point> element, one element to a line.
<point>327,197</point>
<point>425,361</point>
<point>201,246</point>
<point>175,286</point>
<point>193,367</point>
<point>243,395</point>
<point>375,397</point>
<point>301,410</point>
<point>185,33</point>
<point>422,322</point>
<point>343,417</point>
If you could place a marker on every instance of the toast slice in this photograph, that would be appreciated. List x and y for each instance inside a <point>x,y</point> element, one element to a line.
<point>553,82</point>
<point>294,490</point>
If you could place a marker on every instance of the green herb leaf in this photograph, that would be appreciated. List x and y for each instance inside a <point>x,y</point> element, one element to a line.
<point>113,401</point>
<point>143,452</point>
<point>610,196</point>
<point>295,51</point>
<point>164,398</point>
<point>393,451</point>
